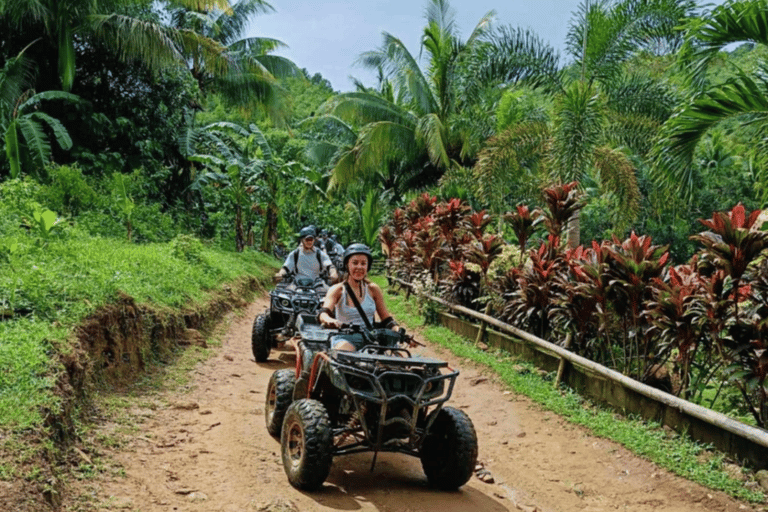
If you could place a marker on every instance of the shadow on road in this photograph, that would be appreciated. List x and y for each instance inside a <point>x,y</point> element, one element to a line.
<point>396,483</point>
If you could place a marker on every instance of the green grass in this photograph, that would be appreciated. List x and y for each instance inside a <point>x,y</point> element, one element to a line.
<point>53,286</point>
<point>677,454</point>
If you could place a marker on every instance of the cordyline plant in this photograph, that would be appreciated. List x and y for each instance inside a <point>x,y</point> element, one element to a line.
<point>731,246</point>
<point>523,222</point>
<point>564,202</point>
<point>580,308</point>
<point>463,284</point>
<point>750,368</point>
<point>631,266</point>
<point>528,303</point>
<point>676,326</point>
<point>448,219</point>
<point>471,278</point>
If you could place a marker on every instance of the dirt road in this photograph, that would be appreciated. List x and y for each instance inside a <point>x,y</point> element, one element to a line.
<point>207,449</point>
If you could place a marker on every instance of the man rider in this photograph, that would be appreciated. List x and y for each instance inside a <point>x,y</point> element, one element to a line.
<point>307,260</point>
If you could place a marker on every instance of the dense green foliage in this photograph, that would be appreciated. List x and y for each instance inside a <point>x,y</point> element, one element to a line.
<point>143,141</point>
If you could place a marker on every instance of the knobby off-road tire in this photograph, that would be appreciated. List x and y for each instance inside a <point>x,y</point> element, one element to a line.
<point>306,444</point>
<point>449,452</point>
<point>261,340</point>
<point>279,397</point>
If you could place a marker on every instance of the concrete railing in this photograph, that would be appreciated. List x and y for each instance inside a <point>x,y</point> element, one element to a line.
<point>744,442</point>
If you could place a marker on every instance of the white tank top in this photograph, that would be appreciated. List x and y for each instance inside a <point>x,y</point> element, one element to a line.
<point>348,314</point>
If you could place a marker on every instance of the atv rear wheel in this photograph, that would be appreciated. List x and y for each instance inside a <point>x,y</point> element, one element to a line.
<point>449,452</point>
<point>306,444</point>
<point>261,339</point>
<point>279,397</point>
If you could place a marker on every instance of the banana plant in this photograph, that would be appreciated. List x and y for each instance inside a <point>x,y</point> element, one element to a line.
<point>23,124</point>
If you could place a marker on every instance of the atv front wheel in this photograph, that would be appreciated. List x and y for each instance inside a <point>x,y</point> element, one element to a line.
<point>449,452</point>
<point>306,444</point>
<point>279,397</point>
<point>261,340</point>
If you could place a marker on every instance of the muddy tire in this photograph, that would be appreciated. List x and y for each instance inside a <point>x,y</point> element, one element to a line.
<point>306,444</point>
<point>279,397</point>
<point>449,452</point>
<point>261,340</point>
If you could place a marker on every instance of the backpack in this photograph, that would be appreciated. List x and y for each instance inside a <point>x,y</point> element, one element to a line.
<point>296,259</point>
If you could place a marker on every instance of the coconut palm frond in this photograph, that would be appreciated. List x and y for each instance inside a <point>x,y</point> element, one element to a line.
<point>155,45</point>
<point>508,158</point>
<point>38,146</point>
<point>361,108</point>
<point>742,97</point>
<point>483,28</point>
<point>329,127</point>
<point>732,22</point>
<point>256,45</point>
<point>429,133</point>
<point>231,24</point>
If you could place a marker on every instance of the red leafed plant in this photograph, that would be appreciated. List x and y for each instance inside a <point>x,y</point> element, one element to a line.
<point>563,203</point>
<point>523,222</point>
<point>462,285</point>
<point>631,267</point>
<point>528,304</point>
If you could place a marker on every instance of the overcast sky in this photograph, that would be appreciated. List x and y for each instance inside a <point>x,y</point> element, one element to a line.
<point>327,36</point>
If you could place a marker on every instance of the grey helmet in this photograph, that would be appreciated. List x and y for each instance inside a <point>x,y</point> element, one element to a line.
<point>357,249</point>
<point>307,231</point>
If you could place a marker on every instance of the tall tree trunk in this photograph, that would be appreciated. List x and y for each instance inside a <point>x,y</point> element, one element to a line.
<point>573,230</point>
<point>239,235</point>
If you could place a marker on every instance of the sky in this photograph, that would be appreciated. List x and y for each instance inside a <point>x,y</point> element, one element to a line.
<point>327,36</point>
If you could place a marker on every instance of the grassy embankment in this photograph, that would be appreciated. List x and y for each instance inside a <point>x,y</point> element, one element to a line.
<point>50,286</point>
<point>675,453</point>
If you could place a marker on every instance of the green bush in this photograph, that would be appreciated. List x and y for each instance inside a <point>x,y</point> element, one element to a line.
<point>68,191</point>
<point>187,248</point>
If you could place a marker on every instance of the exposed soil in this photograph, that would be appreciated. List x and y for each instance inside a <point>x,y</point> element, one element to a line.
<point>207,449</point>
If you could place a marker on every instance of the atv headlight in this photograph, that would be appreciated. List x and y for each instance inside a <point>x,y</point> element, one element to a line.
<point>285,303</point>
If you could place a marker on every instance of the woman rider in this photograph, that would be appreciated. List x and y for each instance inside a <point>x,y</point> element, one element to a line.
<point>338,307</point>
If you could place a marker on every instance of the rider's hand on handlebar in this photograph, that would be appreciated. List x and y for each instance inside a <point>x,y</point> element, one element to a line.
<point>331,323</point>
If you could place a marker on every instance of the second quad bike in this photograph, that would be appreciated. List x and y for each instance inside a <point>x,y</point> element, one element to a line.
<point>376,399</point>
<point>291,297</point>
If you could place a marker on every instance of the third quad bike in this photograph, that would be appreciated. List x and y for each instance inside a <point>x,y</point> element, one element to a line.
<point>377,399</point>
<point>291,297</point>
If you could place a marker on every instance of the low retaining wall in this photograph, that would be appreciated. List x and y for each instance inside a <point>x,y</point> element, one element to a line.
<point>745,443</point>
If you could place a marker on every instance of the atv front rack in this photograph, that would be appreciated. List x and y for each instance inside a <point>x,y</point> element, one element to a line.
<point>414,384</point>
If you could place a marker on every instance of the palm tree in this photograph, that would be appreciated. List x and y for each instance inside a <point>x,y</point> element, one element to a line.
<point>23,125</point>
<point>203,37</point>
<point>403,127</point>
<point>602,117</point>
<point>743,99</point>
<point>246,73</point>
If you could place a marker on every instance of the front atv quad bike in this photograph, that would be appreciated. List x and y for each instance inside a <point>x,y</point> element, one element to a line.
<point>377,399</point>
<point>290,298</point>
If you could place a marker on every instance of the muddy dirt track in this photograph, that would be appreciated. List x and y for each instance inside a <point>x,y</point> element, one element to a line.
<point>207,449</point>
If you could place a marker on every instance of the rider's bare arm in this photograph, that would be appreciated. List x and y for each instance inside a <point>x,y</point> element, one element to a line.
<point>329,305</point>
